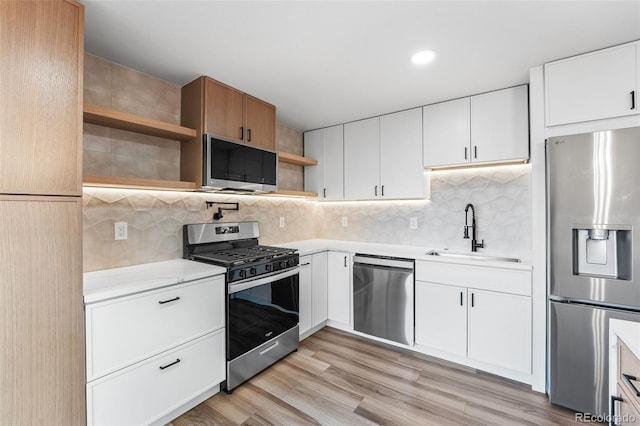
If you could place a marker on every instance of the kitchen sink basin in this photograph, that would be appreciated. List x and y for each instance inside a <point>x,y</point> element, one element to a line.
<point>466,256</point>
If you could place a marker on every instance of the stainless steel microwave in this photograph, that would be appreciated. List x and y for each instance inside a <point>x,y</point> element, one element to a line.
<point>235,167</point>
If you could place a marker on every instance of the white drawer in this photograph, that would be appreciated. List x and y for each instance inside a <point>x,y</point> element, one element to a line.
<point>126,330</point>
<point>145,392</point>
<point>512,281</point>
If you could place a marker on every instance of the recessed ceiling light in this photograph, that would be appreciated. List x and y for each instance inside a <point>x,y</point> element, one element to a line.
<point>423,57</point>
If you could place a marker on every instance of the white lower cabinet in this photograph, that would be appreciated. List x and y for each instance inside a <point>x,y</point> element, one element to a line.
<point>305,297</point>
<point>319,289</point>
<point>441,317</point>
<point>487,328</point>
<point>149,354</point>
<point>339,288</point>
<point>500,329</point>
<point>313,292</point>
<point>145,392</point>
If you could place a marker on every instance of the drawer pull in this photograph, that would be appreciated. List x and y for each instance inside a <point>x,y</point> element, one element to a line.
<point>264,351</point>
<point>628,378</point>
<point>162,367</point>
<point>162,302</point>
<point>612,412</point>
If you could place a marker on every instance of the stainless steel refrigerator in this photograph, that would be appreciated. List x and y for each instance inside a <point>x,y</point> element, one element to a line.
<point>593,207</point>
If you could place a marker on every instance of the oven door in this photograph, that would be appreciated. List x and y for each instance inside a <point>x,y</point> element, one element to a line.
<point>259,310</point>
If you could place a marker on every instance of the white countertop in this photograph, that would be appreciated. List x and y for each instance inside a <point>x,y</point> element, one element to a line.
<point>306,247</point>
<point>117,282</point>
<point>628,332</point>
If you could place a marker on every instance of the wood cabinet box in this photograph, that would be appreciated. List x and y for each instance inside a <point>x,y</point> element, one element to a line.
<point>213,107</point>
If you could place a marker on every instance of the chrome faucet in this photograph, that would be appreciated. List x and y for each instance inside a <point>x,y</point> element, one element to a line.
<point>475,245</point>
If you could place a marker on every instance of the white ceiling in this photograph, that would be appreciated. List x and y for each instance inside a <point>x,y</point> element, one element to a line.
<point>329,62</point>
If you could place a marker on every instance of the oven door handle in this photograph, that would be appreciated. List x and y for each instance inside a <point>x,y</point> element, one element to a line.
<point>244,285</point>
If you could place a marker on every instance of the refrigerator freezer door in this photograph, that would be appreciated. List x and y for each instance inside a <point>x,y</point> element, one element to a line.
<point>579,355</point>
<point>594,217</point>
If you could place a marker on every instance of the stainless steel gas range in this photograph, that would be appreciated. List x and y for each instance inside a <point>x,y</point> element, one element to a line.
<point>262,308</point>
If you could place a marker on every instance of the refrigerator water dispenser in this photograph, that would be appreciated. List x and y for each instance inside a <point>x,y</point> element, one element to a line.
<point>602,252</point>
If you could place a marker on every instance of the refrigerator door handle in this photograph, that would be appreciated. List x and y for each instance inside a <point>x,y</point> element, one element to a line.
<point>628,378</point>
<point>612,412</point>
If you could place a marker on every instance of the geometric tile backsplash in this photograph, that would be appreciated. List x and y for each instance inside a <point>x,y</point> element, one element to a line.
<point>500,196</point>
<point>155,218</point>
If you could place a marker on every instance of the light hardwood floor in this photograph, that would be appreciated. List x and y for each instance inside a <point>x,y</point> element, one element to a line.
<point>337,378</point>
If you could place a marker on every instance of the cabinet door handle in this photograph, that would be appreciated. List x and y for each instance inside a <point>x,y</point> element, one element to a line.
<point>162,367</point>
<point>305,264</point>
<point>241,133</point>
<point>628,378</point>
<point>324,192</point>
<point>612,412</point>
<point>460,298</point>
<point>248,135</point>
<point>345,261</point>
<point>472,300</point>
<point>375,190</point>
<point>633,99</point>
<point>382,190</point>
<point>475,152</point>
<point>162,302</point>
<point>465,152</point>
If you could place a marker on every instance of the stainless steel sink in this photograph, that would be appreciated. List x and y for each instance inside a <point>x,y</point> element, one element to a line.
<point>465,256</point>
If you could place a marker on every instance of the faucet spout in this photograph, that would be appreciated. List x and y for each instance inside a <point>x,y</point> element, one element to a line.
<point>475,245</point>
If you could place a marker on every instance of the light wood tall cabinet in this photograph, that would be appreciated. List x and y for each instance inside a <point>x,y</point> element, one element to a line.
<point>213,107</point>
<point>41,85</point>
<point>41,310</point>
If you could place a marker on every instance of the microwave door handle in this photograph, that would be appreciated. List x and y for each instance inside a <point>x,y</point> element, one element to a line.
<point>250,283</point>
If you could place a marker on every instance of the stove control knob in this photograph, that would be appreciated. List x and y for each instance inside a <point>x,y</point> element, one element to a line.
<point>267,267</point>
<point>243,273</point>
<point>252,271</point>
<point>283,264</point>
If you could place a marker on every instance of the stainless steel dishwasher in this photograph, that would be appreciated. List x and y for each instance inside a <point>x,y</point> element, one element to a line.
<point>383,297</point>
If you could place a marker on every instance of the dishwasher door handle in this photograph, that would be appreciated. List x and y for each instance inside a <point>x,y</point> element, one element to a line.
<point>382,261</point>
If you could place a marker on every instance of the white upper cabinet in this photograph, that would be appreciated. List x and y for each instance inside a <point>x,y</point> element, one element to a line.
<point>488,128</point>
<point>362,159</point>
<point>500,125</point>
<point>593,86</point>
<point>446,133</point>
<point>382,157</point>
<point>401,171</point>
<point>327,178</point>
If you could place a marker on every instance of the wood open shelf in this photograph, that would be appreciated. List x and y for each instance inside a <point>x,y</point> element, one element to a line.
<point>102,116</point>
<point>285,157</point>
<point>287,193</point>
<point>136,183</point>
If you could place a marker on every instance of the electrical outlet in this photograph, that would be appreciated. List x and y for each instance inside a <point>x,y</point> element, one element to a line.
<point>413,223</point>
<point>345,221</point>
<point>120,230</point>
<point>281,221</point>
